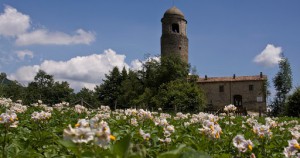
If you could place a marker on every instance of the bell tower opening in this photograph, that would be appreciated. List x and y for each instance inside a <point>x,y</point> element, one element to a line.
<point>175,28</point>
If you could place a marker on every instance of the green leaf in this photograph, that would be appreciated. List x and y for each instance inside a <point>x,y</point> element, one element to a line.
<point>70,145</point>
<point>173,153</point>
<point>121,148</point>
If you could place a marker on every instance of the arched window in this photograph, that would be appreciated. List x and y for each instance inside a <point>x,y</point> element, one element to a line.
<point>175,28</point>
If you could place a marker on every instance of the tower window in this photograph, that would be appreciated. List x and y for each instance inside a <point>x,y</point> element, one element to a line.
<point>175,28</point>
<point>179,48</point>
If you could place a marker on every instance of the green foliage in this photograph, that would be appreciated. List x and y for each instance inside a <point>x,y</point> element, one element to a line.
<point>45,139</point>
<point>293,104</point>
<point>143,88</point>
<point>10,89</point>
<point>130,90</point>
<point>109,91</point>
<point>89,96</point>
<point>46,89</point>
<point>283,84</point>
<point>180,95</point>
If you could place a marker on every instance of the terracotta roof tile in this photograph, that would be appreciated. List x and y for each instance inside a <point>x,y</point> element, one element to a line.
<point>237,78</point>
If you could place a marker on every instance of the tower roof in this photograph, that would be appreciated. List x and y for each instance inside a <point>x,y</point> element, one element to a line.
<point>174,11</point>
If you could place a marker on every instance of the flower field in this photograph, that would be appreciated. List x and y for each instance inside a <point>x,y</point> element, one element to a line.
<point>63,131</point>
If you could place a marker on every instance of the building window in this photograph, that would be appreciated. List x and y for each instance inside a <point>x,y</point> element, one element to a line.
<point>179,48</point>
<point>251,87</point>
<point>221,88</point>
<point>175,28</point>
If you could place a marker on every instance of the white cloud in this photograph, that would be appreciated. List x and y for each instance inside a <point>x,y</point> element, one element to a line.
<point>13,23</point>
<point>136,64</point>
<point>80,71</point>
<point>23,53</point>
<point>25,74</point>
<point>44,37</point>
<point>16,24</point>
<point>269,57</point>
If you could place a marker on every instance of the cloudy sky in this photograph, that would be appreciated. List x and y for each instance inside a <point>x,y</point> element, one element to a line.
<point>80,41</point>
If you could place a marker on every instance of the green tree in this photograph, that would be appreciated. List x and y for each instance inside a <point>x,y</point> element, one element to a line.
<point>173,68</point>
<point>61,91</point>
<point>283,84</point>
<point>130,90</point>
<point>180,95</point>
<point>293,104</point>
<point>109,91</point>
<point>13,90</point>
<point>46,89</point>
<point>40,88</point>
<point>89,96</point>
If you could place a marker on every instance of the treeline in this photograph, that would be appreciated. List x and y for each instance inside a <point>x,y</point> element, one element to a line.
<point>158,84</point>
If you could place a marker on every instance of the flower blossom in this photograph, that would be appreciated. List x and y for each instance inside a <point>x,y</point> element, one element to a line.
<point>262,130</point>
<point>40,116</point>
<point>292,149</point>
<point>242,144</point>
<point>146,136</point>
<point>230,108</point>
<point>211,129</point>
<point>9,119</point>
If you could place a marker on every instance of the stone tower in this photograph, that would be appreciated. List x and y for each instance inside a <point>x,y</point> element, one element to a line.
<point>173,39</point>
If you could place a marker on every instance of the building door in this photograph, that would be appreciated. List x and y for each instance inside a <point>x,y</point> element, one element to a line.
<point>238,100</point>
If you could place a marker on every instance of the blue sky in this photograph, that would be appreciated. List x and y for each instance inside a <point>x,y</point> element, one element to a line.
<point>80,41</point>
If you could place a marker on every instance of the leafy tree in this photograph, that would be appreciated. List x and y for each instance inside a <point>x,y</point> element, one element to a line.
<point>11,89</point>
<point>109,91</point>
<point>293,104</point>
<point>149,74</point>
<point>46,89</point>
<point>61,91</point>
<point>141,88</point>
<point>130,90</point>
<point>173,68</point>
<point>89,96</point>
<point>283,84</point>
<point>180,95</point>
<point>144,100</point>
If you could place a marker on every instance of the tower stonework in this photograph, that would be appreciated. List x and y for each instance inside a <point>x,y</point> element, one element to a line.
<point>174,40</point>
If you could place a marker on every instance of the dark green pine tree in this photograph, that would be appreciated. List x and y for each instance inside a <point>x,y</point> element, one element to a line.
<point>109,91</point>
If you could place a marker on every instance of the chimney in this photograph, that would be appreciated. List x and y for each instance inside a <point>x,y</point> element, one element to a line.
<point>233,76</point>
<point>205,77</point>
<point>261,75</point>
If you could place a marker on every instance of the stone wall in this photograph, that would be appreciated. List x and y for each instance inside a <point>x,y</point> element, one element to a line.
<point>231,88</point>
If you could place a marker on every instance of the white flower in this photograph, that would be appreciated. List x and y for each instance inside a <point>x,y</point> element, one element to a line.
<point>80,109</point>
<point>242,144</point>
<point>292,149</point>
<point>83,135</point>
<point>103,135</point>
<point>166,140</point>
<point>211,129</point>
<point>230,108</point>
<point>146,136</point>
<point>82,123</point>
<point>9,118</point>
<point>40,116</point>
<point>262,130</point>
<point>133,122</point>
<point>295,134</point>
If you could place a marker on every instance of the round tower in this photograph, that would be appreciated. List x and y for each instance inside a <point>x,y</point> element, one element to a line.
<point>174,39</point>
